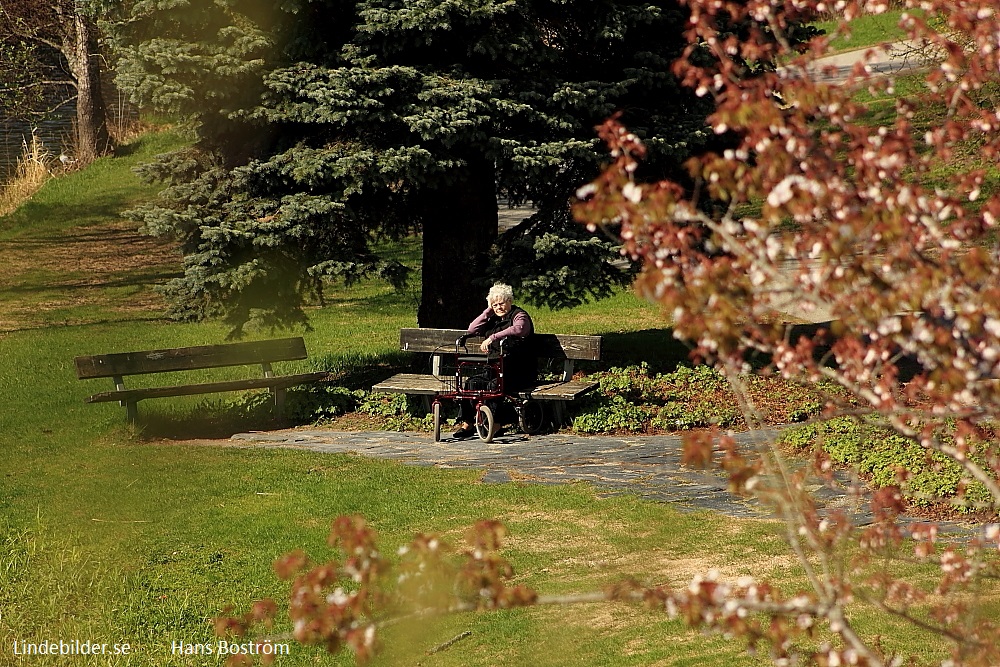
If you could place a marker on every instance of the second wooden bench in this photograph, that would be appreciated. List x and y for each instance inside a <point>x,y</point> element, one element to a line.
<point>118,366</point>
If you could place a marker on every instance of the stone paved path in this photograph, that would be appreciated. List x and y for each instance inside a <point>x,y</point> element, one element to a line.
<point>648,466</point>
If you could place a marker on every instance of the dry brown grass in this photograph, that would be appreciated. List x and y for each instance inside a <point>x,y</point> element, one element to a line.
<point>33,169</point>
<point>75,269</point>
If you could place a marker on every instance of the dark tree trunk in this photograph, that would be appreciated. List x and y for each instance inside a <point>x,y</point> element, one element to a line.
<point>459,230</point>
<point>93,139</point>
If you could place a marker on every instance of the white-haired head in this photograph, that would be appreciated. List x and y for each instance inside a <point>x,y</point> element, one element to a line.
<point>500,293</point>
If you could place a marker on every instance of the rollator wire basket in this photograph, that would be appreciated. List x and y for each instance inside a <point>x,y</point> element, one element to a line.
<point>480,379</point>
<point>477,377</point>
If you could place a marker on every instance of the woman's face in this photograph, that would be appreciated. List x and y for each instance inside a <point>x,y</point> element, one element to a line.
<point>501,307</point>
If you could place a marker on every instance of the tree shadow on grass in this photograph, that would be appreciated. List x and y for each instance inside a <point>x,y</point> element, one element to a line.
<point>820,332</point>
<point>663,352</point>
<point>361,371</point>
<point>390,303</point>
<point>656,347</point>
<point>212,420</point>
<point>223,415</point>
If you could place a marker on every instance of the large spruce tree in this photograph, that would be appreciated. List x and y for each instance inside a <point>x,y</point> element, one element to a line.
<point>324,126</point>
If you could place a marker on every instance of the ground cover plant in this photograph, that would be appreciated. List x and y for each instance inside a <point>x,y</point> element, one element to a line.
<point>926,479</point>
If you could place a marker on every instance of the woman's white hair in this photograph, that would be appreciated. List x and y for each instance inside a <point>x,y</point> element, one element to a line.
<point>500,293</point>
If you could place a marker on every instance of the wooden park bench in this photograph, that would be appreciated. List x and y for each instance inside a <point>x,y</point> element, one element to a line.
<point>440,343</point>
<point>117,366</point>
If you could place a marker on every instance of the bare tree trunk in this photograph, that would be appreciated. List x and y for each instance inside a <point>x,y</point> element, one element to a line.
<point>458,234</point>
<point>93,139</point>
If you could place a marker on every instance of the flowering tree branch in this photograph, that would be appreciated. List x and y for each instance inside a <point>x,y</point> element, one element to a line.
<point>847,221</point>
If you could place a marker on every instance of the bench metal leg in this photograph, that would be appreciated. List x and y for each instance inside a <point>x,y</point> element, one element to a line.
<point>279,402</point>
<point>559,413</point>
<point>131,411</point>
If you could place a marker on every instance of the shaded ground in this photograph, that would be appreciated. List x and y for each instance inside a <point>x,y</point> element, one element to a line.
<point>83,274</point>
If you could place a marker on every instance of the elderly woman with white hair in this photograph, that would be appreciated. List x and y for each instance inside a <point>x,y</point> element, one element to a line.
<point>502,321</point>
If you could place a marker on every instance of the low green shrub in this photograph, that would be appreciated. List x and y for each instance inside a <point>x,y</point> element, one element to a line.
<point>396,412</point>
<point>631,382</point>
<point>617,414</point>
<point>378,404</point>
<point>676,416</point>
<point>881,456</point>
<point>631,399</point>
<point>690,383</point>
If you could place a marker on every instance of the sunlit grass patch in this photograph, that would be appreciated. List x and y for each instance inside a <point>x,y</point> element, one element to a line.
<point>867,30</point>
<point>93,195</point>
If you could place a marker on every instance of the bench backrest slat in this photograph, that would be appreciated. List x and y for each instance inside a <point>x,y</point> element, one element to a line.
<point>552,346</point>
<point>189,358</point>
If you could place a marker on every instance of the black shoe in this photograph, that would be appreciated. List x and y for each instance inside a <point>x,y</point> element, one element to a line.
<point>465,432</point>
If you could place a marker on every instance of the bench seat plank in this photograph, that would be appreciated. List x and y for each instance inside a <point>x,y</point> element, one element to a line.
<point>132,395</point>
<point>415,383</point>
<point>431,385</point>
<point>560,391</point>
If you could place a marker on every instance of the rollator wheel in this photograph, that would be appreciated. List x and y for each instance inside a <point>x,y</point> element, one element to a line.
<point>531,417</point>
<point>486,427</point>
<point>436,410</point>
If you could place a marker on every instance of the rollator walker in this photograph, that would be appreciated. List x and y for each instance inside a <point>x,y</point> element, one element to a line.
<point>479,378</point>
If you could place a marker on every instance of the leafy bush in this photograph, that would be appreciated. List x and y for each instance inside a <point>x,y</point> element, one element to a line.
<point>632,382</point>
<point>630,399</point>
<point>380,404</point>
<point>881,456</point>
<point>679,416</point>
<point>618,414</point>
<point>688,383</point>
<point>395,412</point>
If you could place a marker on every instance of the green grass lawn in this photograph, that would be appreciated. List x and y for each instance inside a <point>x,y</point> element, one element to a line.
<point>111,537</point>
<point>865,31</point>
<point>108,537</point>
<point>115,539</point>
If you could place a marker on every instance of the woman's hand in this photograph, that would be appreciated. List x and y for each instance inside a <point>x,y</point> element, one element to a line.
<point>485,345</point>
